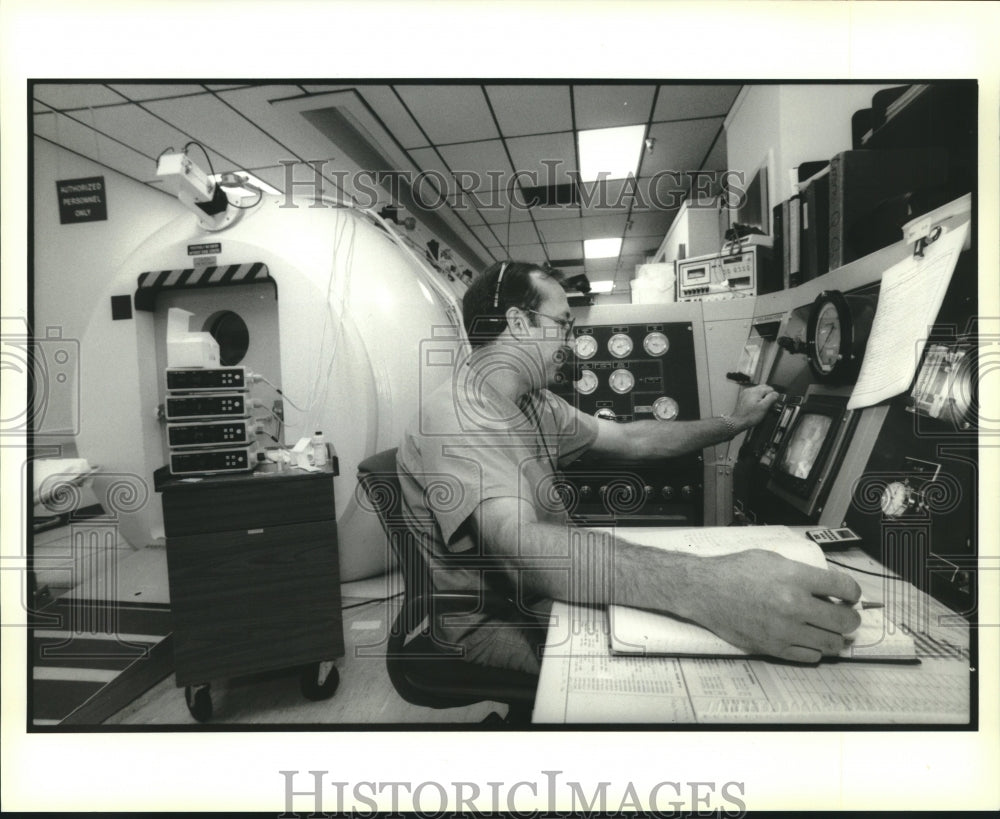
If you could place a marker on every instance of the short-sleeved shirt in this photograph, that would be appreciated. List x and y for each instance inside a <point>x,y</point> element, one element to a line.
<point>469,443</point>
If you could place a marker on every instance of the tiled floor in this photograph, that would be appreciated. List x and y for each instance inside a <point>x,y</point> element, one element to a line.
<point>365,694</point>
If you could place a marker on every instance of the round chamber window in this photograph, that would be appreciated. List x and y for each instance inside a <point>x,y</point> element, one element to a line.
<point>231,332</point>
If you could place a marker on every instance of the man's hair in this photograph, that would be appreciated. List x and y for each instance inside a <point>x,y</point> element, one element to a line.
<point>501,286</point>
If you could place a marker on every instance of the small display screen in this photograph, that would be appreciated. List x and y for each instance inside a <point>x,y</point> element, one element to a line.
<point>694,273</point>
<point>804,445</point>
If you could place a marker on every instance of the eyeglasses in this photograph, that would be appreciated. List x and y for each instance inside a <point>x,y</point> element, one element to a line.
<point>566,323</point>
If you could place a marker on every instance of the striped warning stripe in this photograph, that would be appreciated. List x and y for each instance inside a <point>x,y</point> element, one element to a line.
<point>152,283</point>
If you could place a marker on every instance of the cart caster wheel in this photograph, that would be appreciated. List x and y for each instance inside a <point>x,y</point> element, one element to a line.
<point>319,681</point>
<point>199,702</point>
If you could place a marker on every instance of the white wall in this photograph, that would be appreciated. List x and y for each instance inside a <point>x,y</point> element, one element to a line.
<point>73,263</point>
<point>798,123</point>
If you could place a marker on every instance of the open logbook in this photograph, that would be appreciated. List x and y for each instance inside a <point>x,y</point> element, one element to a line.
<point>635,631</point>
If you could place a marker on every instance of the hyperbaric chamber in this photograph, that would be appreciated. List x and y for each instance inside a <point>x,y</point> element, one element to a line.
<point>324,304</point>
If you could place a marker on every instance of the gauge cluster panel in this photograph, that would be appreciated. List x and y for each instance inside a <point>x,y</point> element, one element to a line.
<point>635,372</point>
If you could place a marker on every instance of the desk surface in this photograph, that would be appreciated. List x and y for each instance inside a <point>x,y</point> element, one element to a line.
<point>582,682</point>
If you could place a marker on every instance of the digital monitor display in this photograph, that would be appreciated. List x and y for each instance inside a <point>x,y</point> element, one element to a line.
<point>804,445</point>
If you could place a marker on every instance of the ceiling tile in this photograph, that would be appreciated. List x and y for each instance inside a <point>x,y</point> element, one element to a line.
<point>544,212</point>
<point>531,109</point>
<point>465,209</point>
<point>605,226</point>
<point>66,131</point>
<point>561,230</point>
<point>565,250</point>
<point>221,129</point>
<point>156,91</point>
<point>325,89</point>
<point>679,146</point>
<point>300,139</point>
<point>450,113</point>
<point>434,173</point>
<point>67,96</point>
<point>489,236</point>
<point>139,129</point>
<point>604,106</point>
<point>499,212</point>
<point>528,253</point>
<point>393,113</point>
<point>530,154</point>
<point>654,223</point>
<point>641,246</point>
<point>687,101</point>
<point>601,266</point>
<point>478,166</point>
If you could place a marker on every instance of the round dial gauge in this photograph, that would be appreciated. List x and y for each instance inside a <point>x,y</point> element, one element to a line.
<point>656,344</point>
<point>837,333</point>
<point>665,409</point>
<point>619,345</point>
<point>587,382</point>
<point>621,381</point>
<point>586,346</point>
<point>827,339</point>
<point>895,499</point>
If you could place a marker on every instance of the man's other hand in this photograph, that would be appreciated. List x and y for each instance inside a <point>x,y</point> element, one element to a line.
<point>753,404</point>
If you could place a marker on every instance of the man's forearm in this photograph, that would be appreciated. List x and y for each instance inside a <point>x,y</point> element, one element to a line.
<point>650,440</point>
<point>598,568</point>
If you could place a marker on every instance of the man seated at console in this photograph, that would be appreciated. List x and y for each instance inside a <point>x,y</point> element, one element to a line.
<point>479,470</point>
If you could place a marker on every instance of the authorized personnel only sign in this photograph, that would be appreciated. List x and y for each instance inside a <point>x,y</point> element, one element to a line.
<point>82,200</point>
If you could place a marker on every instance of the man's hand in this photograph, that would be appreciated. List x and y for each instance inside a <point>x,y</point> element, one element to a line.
<point>753,404</point>
<point>767,604</point>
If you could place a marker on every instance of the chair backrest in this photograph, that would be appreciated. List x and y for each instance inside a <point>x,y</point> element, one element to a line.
<point>379,480</point>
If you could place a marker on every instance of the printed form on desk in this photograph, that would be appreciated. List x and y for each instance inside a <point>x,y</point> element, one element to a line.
<point>582,681</point>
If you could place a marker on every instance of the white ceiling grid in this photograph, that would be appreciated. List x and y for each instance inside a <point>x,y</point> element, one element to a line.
<point>493,131</point>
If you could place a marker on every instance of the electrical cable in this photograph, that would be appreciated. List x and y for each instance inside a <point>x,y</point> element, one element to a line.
<point>863,571</point>
<point>277,389</point>
<point>373,600</point>
<point>211,170</point>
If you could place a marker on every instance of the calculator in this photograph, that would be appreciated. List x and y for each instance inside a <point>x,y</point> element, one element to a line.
<point>830,537</point>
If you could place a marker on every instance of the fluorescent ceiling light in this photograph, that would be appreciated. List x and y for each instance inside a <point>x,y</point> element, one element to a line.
<point>610,153</point>
<point>602,287</point>
<point>245,176</point>
<point>601,248</point>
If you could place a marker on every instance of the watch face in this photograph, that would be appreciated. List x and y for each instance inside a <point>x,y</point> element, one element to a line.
<point>895,499</point>
<point>656,344</point>
<point>619,345</point>
<point>587,383</point>
<point>621,381</point>
<point>827,340</point>
<point>586,346</point>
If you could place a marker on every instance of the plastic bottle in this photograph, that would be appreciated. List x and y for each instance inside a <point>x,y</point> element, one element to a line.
<point>319,453</point>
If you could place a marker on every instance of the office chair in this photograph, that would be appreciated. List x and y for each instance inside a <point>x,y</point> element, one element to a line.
<point>426,671</point>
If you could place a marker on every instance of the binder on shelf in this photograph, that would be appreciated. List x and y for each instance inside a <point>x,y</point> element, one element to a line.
<point>793,226</point>
<point>778,235</point>
<point>860,180</point>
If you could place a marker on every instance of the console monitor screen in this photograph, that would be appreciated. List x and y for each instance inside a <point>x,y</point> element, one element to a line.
<point>805,444</point>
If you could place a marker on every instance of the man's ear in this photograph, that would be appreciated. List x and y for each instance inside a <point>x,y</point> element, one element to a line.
<point>516,322</point>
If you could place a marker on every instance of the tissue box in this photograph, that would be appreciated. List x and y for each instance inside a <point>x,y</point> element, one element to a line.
<point>193,350</point>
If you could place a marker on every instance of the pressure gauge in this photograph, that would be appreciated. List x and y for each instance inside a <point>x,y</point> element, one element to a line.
<point>896,499</point>
<point>621,381</point>
<point>620,345</point>
<point>586,346</point>
<point>655,344</point>
<point>837,334</point>
<point>665,409</point>
<point>587,382</point>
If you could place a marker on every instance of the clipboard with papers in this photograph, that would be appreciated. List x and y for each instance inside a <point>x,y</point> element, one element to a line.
<point>639,632</point>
